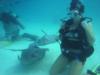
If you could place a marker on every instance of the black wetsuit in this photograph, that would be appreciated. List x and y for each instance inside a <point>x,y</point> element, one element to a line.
<point>79,43</point>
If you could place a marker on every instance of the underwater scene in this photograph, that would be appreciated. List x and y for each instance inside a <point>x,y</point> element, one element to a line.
<point>49,37</point>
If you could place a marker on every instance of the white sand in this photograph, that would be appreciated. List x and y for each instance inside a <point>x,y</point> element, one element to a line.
<point>9,64</point>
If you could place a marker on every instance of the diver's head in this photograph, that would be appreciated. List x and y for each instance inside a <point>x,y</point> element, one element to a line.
<point>77,5</point>
<point>76,10</point>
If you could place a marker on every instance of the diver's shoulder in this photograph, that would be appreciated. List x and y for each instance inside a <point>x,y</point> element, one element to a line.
<point>86,21</point>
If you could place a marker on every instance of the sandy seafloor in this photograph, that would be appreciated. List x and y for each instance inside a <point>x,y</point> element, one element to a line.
<point>44,17</point>
<point>9,63</point>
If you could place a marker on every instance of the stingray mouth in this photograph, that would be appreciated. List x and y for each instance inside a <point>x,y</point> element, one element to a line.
<point>29,60</point>
<point>26,61</point>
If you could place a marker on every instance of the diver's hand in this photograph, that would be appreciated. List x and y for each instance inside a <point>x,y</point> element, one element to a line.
<point>22,27</point>
<point>84,24</point>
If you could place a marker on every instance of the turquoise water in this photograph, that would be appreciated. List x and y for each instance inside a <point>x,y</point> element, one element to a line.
<point>37,15</point>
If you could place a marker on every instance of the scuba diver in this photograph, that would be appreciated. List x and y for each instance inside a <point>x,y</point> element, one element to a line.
<point>77,40</point>
<point>11,25</point>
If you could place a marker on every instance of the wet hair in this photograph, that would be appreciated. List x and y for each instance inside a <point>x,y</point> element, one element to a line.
<point>77,5</point>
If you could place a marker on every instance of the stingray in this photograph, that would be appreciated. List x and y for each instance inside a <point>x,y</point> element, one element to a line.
<point>47,39</point>
<point>44,40</point>
<point>29,36</point>
<point>31,55</point>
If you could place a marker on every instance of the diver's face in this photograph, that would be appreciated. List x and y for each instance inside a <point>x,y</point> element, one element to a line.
<point>74,14</point>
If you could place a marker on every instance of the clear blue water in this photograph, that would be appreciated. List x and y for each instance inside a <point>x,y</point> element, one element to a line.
<point>37,15</point>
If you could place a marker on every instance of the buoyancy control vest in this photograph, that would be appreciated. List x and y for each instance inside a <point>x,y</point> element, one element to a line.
<point>75,39</point>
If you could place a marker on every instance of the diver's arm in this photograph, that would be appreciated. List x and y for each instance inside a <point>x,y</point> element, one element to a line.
<point>89,32</point>
<point>21,26</point>
<point>17,22</point>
